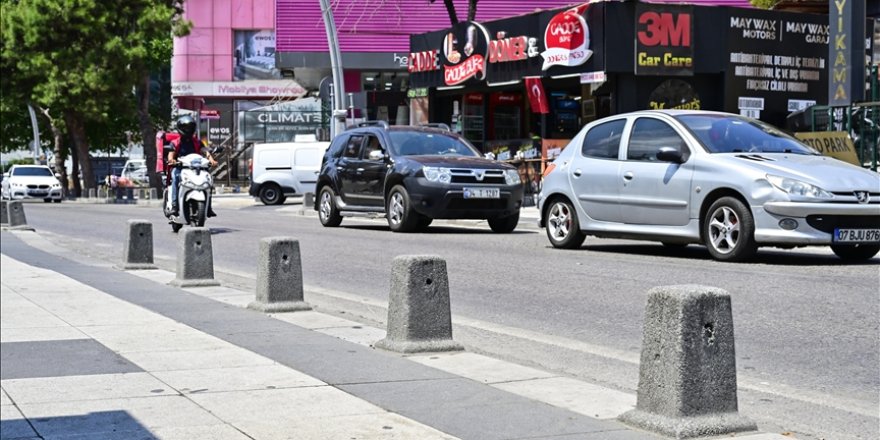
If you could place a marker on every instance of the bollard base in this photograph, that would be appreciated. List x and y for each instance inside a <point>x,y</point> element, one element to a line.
<point>279,307</point>
<point>435,345</point>
<point>688,427</point>
<point>136,266</point>
<point>207,282</point>
<point>18,228</point>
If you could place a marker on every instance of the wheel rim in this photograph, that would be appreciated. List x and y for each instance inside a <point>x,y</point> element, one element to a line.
<point>270,195</point>
<point>326,207</point>
<point>396,208</point>
<point>724,231</point>
<point>559,221</point>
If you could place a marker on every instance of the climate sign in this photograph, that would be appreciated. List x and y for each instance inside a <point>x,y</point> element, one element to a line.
<point>664,40</point>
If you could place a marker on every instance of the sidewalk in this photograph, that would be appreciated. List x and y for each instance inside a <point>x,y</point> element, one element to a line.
<point>89,351</point>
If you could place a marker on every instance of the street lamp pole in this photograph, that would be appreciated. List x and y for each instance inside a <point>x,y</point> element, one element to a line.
<point>338,114</point>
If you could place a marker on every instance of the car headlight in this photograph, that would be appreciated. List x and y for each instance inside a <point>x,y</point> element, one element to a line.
<point>511,177</point>
<point>56,185</point>
<point>437,174</point>
<point>798,188</point>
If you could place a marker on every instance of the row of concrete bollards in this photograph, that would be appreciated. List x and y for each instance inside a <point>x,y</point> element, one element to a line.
<point>687,373</point>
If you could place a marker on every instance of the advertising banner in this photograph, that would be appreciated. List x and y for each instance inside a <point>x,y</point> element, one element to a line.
<point>777,60</point>
<point>267,88</point>
<point>281,122</point>
<point>836,144</point>
<point>664,40</point>
<point>254,55</point>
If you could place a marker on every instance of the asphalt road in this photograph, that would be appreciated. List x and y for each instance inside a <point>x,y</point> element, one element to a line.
<point>806,325</point>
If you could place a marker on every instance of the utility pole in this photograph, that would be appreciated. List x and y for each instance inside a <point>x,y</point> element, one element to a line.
<point>339,113</point>
<point>36,128</point>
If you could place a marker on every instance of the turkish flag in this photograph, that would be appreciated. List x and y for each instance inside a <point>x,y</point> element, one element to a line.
<point>537,97</point>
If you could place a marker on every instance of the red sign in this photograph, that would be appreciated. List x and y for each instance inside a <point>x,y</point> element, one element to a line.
<point>424,61</point>
<point>537,97</point>
<point>665,29</point>
<point>567,39</point>
<point>462,72</point>
<point>209,114</point>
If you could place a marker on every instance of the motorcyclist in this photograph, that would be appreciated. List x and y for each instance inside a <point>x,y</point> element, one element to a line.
<point>187,143</point>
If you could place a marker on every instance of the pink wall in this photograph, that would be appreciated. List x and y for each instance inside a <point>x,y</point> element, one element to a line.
<point>206,53</point>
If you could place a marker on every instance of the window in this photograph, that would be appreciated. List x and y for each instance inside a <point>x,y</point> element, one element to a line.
<point>32,171</point>
<point>603,140</point>
<point>353,148</point>
<point>338,146</point>
<point>649,135</point>
<point>373,144</point>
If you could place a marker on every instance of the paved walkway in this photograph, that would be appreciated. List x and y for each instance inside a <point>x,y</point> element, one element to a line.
<point>93,352</point>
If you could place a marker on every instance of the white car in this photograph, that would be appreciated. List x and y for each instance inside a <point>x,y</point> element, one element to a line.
<point>31,182</point>
<point>728,182</point>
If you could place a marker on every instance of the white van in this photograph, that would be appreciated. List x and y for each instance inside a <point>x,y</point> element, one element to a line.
<point>285,168</point>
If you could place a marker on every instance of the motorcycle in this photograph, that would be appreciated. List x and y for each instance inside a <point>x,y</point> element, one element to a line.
<point>194,194</point>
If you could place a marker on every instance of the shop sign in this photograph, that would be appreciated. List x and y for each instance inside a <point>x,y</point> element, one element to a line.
<point>836,144</point>
<point>840,19</point>
<point>506,49</point>
<point>593,77</point>
<point>567,39</point>
<point>464,55</point>
<point>263,88</point>
<point>664,40</point>
<point>418,92</point>
<point>424,61</point>
<point>777,57</point>
<point>800,104</point>
<point>674,94</point>
<point>209,114</point>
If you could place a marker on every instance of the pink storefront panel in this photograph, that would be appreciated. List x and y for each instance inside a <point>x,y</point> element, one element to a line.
<point>200,41</point>
<point>200,12</point>
<point>222,41</point>
<point>200,68</point>
<point>223,14</point>
<point>222,68</point>
<point>264,14</point>
<point>243,14</point>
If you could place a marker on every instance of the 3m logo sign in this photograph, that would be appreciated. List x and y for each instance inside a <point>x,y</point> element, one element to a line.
<point>665,29</point>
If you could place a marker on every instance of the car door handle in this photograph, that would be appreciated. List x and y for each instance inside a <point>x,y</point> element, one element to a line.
<point>359,170</point>
<point>338,168</point>
<point>577,172</point>
<point>628,175</point>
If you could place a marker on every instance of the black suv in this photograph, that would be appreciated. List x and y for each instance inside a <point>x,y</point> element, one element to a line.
<point>413,175</point>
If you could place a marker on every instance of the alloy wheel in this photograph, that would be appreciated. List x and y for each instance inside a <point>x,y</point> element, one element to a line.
<point>559,221</point>
<point>724,230</point>
<point>325,205</point>
<point>396,208</point>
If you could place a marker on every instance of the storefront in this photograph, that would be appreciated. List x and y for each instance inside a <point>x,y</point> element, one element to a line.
<point>511,84</point>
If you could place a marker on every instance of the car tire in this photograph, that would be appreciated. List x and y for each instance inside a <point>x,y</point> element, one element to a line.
<point>859,252</point>
<point>398,207</point>
<point>423,223</point>
<point>270,194</point>
<point>563,228</point>
<point>504,225</point>
<point>57,200</point>
<point>729,230</point>
<point>327,212</point>
<point>47,200</point>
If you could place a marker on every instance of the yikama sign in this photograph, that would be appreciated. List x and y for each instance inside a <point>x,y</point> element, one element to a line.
<point>664,40</point>
<point>264,88</point>
<point>546,43</point>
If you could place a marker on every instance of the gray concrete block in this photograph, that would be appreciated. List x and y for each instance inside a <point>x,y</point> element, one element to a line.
<point>4,213</point>
<point>15,218</point>
<point>102,193</point>
<point>138,251</point>
<point>687,372</point>
<point>419,317</point>
<point>195,259</point>
<point>279,277</point>
<point>92,193</point>
<point>153,194</point>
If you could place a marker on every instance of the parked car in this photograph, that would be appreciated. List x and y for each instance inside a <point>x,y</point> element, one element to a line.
<point>726,181</point>
<point>31,182</point>
<point>284,169</point>
<point>413,175</point>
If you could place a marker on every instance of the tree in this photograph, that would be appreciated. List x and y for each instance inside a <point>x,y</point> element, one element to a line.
<point>453,16</point>
<point>81,60</point>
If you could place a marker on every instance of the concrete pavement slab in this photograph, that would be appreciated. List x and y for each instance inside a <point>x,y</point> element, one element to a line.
<point>4,398</point>
<point>59,358</point>
<point>385,426</point>
<point>164,335</point>
<point>14,425</point>
<point>574,395</point>
<point>22,334</point>
<point>17,312</point>
<point>479,368</point>
<point>210,432</point>
<point>361,335</point>
<point>92,387</point>
<point>249,378</point>
<point>313,320</point>
<point>196,359</point>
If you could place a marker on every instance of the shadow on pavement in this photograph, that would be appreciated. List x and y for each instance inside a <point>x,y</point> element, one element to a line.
<point>102,424</point>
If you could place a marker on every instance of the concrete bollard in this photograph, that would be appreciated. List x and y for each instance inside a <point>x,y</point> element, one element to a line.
<point>129,195</point>
<point>141,194</point>
<point>4,213</point>
<point>15,218</point>
<point>419,318</point>
<point>102,193</point>
<point>92,193</point>
<point>195,259</point>
<point>687,372</point>
<point>279,277</point>
<point>138,252</point>
<point>308,200</point>
<point>152,193</point>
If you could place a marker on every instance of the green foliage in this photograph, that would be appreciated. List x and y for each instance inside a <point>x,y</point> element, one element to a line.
<point>23,161</point>
<point>83,57</point>
<point>764,4</point>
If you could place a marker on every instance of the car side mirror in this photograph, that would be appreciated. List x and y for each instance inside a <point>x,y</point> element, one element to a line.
<point>376,155</point>
<point>668,154</point>
<point>5,175</point>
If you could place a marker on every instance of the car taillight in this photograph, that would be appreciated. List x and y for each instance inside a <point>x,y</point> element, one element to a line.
<point>549,168</point>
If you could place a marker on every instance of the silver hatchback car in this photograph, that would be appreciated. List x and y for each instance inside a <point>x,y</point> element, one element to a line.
<point>723,180</point>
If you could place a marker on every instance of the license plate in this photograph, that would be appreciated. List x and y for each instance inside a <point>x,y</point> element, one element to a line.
<point>856,235</point>
<point>482,193</point>
<point>38,193</point>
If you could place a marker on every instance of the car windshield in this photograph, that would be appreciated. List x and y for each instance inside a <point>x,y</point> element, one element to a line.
<point>32,171</point>
<point>425,143</point>
<point>734,134</point>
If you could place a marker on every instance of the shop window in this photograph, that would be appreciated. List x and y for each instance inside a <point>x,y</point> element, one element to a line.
<point>603,140</point>
<point>649,135</point>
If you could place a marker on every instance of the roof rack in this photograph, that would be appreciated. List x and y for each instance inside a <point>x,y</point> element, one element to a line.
<point>382,124</point>
<point>438,125</point>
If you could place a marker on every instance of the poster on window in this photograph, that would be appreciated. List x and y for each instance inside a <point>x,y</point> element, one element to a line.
<point>254,55</point>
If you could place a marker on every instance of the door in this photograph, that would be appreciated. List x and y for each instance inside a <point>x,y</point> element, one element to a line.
<point>346,169</point>
<point>306,166</point>
<point>653,192</point>
<point>594,173</point>
<point>373,168</point>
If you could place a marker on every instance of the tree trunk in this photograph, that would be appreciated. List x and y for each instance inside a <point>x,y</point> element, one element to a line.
<point>58,151</point>
<point>472,10</point>
<point>148,132</point>
<point>77,130</point>
<point>74,174</point>
<point>450,8</point>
